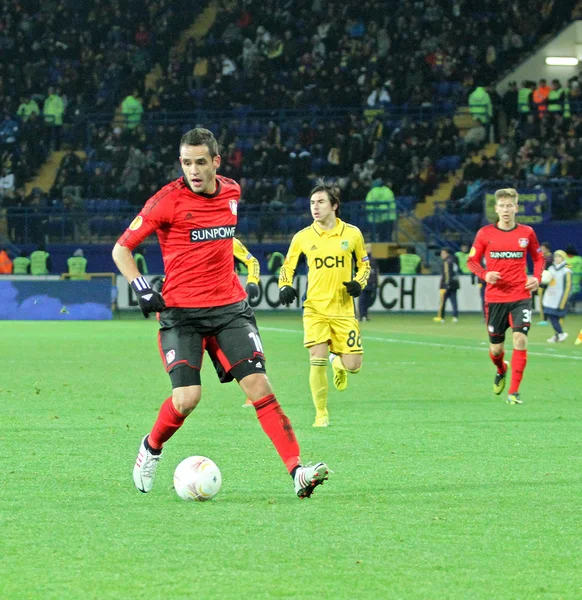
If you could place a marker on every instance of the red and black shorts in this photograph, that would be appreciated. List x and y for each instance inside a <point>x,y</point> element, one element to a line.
<point>228,333</point>
<point>501,315</point>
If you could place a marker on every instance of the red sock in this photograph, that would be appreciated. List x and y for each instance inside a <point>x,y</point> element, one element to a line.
<point>498,361</point>
<point>168,422</point>
<point>278,427</point>
<point>518,362</point>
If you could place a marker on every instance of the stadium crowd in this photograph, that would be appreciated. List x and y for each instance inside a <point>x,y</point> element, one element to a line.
<point>68,60</point>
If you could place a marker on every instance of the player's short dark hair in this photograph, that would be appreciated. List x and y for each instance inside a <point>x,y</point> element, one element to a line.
<point>331,189</point>
<point>547,245</point>
<point>201,137</point>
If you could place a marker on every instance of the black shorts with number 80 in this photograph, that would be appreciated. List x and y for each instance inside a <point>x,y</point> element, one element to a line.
<point>502,315</point>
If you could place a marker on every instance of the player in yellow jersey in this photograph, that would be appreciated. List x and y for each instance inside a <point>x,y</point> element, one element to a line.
<point>329,320</point>
<point>253,267</point>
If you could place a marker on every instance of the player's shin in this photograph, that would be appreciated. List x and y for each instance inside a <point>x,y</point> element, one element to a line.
<point>277,426</point>
<point>168,422</point>
<point>319,387</point>
<point>518,363</point>
<point>497,360</point>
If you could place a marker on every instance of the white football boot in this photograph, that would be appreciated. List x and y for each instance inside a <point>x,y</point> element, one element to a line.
<point>308,478</point>
<point>145,467</point>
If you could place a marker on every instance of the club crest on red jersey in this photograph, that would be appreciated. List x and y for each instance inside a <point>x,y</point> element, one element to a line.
<point>523,242</point>
<point>233,206</point>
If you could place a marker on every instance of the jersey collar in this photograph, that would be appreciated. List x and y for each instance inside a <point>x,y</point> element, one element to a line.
<point>337,230</point>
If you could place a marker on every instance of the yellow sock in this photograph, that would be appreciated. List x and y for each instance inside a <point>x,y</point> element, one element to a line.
<point>318,385</point>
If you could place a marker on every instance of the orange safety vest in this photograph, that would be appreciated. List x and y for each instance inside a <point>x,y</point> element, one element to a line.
<point>5,263</point>
<point>540,98</point>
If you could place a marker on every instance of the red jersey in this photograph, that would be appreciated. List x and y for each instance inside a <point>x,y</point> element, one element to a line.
<point>195,233</point>
<point>506,252</point>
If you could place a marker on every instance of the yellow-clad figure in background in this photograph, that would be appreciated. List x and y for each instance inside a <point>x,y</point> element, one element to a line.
<point>338,269</point>
<point>251,266</point>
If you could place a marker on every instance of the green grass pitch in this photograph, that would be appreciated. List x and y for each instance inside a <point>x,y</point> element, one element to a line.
<point>439,489</point>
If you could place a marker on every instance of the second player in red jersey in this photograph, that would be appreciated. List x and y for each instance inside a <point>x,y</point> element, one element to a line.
<point>505,252</point>
<point>508,301</point>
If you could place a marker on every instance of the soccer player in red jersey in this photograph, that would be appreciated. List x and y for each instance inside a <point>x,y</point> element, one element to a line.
<point>203,306</point>
<point>508,295</point>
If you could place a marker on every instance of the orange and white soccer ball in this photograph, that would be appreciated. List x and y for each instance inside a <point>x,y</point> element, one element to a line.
<point>197,478</point>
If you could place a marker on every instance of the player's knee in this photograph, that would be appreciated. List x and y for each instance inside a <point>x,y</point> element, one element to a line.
<point>519,340</point>
<point>496,349</point>
<point>185,399</point>
<point>256,386</point>
<point>352,362</point>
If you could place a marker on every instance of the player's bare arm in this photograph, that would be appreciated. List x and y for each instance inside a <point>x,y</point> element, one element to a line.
<point>125,262</point>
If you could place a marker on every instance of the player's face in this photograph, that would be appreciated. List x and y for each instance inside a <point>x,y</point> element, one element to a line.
<point>199,168</point>
<point>321,209</point>
<point>558,260</point>
<point>506,209</point>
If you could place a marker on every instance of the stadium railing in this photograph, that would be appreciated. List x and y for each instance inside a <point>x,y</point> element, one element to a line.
<point>104,220</point>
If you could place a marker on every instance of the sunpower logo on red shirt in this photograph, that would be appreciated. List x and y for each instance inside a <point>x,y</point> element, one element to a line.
<point>207,234</point>
<point>506,254</point>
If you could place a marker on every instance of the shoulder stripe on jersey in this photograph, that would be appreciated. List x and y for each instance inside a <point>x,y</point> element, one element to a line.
<point>161,195</point>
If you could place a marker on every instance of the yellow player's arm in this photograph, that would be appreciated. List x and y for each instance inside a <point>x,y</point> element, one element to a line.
<point>252,264</point>
<point>363,262</point>
<point>288,269</point>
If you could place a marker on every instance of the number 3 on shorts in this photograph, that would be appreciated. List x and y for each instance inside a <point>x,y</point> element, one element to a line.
<point>354,339</point>
<point>527,315</point>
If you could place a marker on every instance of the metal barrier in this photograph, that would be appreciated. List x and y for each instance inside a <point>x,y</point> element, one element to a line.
<point>28,225</point>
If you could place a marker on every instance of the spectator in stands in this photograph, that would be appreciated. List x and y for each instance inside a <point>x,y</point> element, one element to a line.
<point>558,100</point>
<point>53,111</point>
<point>540,97</point>
<point>132,110</point>
<point>525,105</point>
<point>8,131</point>
<point>40,261</point>
<point>510,101</point>
<point>458,192</point>
<point>381,210</point>
<point>480,105</point>
<point>27,107</point>
<point>410,262</point>
<point>5,262</point>
<point>21,264</point>
<point>7,183</point>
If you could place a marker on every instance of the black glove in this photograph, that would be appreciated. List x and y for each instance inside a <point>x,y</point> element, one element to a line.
<point>287,295</point>
<point>157,283</point>
<point>252,290</point>
<point>149,300</point>
<point>353,288</point>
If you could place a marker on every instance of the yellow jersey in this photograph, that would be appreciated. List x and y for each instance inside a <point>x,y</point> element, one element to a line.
<point>251,263</point>
<point>332,256</point>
